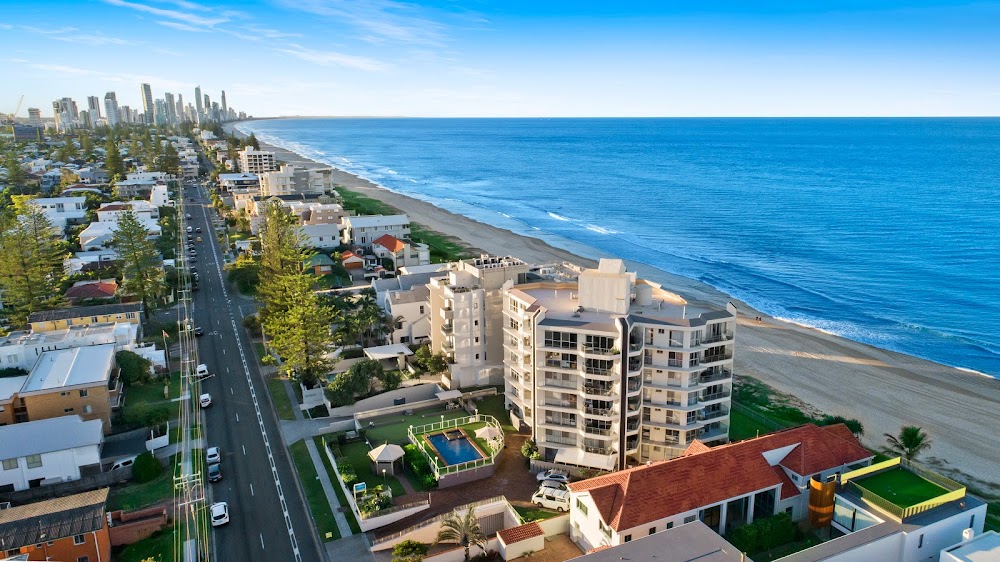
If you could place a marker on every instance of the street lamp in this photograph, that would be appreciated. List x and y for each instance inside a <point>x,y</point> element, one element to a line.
<point>385,482</point>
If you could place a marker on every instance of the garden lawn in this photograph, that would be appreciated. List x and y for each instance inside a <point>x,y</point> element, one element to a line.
<point>322,513</point>
<point>134,496</point>
<point>159,547</point>
<point>357,455</point>
<point>742,426</point>
<point>786,549</point>
<point>152,394</point>
<point>393,428</point>
<point>901,487</point>
<point>261,350</point>
<point>283,405</point>
<point>352,521</point>
<point>494,406</point>
<point>534,513</point>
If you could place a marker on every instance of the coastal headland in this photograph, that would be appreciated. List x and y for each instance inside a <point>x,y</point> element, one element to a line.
<point>960,410</point>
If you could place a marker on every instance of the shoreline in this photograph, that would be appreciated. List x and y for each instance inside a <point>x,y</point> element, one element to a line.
<point>883,389</point>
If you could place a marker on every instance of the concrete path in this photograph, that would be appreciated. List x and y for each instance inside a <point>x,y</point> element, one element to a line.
<point>304,429</point>
<point>331,496</point>
<point>173,448</point>
<point>354,549</point>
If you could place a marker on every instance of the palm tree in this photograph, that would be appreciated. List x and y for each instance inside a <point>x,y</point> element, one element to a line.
<point>910,442</point>
<point>463,530</point>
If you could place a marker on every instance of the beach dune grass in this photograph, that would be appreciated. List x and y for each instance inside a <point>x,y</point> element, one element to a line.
<point>901,487</point>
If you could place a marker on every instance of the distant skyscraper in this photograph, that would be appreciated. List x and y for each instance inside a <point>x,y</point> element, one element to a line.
<point>197,103</point>
<point>171,108</point>
<point>180,109</point>
<point>62,110</point>
<point>111,109</point>
<point>225,110</point>
<point>159,112</point>
<point>208,104</point>
<point>74,111</point>
<point>94,107</point>
<point>126,114</point>
<point>147,102</point>
<point>34,117</point>
<point>85,120</point>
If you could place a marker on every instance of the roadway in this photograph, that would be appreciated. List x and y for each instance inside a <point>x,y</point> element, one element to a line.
<point>268,518</point>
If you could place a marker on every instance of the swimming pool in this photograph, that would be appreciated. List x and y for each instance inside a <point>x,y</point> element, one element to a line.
<point>454,447</point>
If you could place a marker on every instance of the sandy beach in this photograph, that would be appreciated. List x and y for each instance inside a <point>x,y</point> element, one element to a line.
<point>960,410</point>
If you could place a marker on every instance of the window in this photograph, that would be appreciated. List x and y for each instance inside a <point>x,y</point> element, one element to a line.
<point>88,409</point>
<point>421,309</point>
<point>652,530</point>
<point>690,519</point>
<point>9,464</point>
<point>64,393</point>
<point>581,507</point>
<point>67,410</point>
<point>628,538</point>
<point>79,539</point>
<point>83,559</point>
<point>84,393</point>
<point>670,525</point>
<point>34,461</point>
<point>972,522</point>
<point>130,315</point>
<point>477,356</point>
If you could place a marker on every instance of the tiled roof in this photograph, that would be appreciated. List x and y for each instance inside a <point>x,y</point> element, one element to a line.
<point>98,290</point>
<point>520,533</point>
<point>389,242</point>
<point>83,311</point>
<point>697,447</point>
<point>788,488</point>
<point>639,495</point>
<point>52,519</point>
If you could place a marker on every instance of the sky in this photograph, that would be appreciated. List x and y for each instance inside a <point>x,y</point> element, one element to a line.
<point>510,58</point>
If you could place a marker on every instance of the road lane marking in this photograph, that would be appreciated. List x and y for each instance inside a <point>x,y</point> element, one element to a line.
<point>237,417</point>
<point>231,393</point>
<point>244,449</point>
<point>251,489</point>
<point>262,541</point>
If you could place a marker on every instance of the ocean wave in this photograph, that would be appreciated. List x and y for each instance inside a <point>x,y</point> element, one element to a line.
<point>601,230</point>
<point>560,217</point>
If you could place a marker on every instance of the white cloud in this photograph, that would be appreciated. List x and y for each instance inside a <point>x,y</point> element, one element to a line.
<point>183,26</point>
<point>186,17</point>
<point>333,58</point>
<point>269,33</point>
<point>378,21</point>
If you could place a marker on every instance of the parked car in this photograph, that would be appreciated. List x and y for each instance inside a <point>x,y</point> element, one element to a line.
<point>551,499</point>
<point>198,332</point>
<point>201,370</point>
<point>553,484</point>
<point>205,400</point>
<point>198,230</point>
<point>122,463</point>
<point>213,455</point>
<point>214,472</point>
<point>220,513</point>
<point>552,474</point>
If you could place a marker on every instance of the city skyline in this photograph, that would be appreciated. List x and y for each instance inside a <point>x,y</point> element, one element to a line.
<point>373,57</point>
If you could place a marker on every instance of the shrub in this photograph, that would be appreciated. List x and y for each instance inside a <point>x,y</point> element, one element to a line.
<point>146,468</point>
<point>143,414</point>
<point>764,534</point>
<point>252,323</point>
<point>417,463</point>
<point>135,368</point>
<point>376,501</point>
<point>409,550</point>
<point>530,450</point>
<point>12,372</point>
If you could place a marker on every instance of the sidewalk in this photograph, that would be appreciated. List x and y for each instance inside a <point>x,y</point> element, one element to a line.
<point>314,455</point>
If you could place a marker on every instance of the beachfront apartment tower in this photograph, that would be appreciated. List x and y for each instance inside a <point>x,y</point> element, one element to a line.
<point>147,102</point>
<point>197,104</point>
<point>256,162</point>
<point>111,108</point>
<point>94,107</point>
<point>466,318</point>
<point>170,108</point>
<point>611,371</point>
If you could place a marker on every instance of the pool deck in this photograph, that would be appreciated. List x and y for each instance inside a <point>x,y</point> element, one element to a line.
<point>465,436</point>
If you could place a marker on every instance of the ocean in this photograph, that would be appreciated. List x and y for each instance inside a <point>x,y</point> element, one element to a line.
<point>883,231</point>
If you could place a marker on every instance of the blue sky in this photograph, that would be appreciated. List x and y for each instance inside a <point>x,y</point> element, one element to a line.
<point>514,57</point>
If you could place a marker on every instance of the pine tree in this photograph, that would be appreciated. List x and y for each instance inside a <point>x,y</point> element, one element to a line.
<point>300,334</point>
<point>16,176</point>
<point>113,160</point>
<point>281,255</point>
<point>142,275</point>
<point>30,261</point>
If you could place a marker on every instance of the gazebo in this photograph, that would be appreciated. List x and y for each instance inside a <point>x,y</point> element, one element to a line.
<point>386,454</point>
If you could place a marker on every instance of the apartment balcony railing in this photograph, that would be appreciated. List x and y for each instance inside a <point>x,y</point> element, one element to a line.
<point>675,362</point>
<point>560,422</point>
<point>448,329</point>
<point>600,450</point>
<point>556,403</point>
<point>717,357</point>
<point>713,338</point>
<point>598,390</point>
<point>715,395</point>
<point>634,386</point>
<point>713,433</point>
<point>597,371</point>
<point>559,383</point>
<point>598,411</point>
<point>560,344</point>
<point>559,364</point>
<point>589,349</point>
<point>712,415</point>
<point>448,346</point>
<point>560,440</point>
<point>634,346</point>
<point>713,376</point>
<point>596,430</point>
<point>632,425</point>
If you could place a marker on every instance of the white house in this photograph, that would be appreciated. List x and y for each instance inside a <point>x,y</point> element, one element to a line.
<point>96,259</point>
<point>48,451</point>
<point>408,298</point>
<point>62,210</point>
<point>320,236</point>
<point>159,196</point>
<point>401,253</point>
<point>363,230</point>
<point>22,349</point>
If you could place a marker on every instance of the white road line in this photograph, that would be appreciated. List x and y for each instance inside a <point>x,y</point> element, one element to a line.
<point>260,421</point>
<point>244,449</point>
<point>237,417</point>
<point>231,393</point>
<point>251,489</point>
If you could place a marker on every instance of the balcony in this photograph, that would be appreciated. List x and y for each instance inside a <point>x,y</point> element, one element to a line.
<point>713,376</point>
<point>600,450</point>
<point>704,416</point>
<point>448,346</point>
<point>560,422</point>
<point>711,434</point>
<point>715,396</point>
<point>560,440</point>
<point>448,328</point>
<point>600,371</point>
<point>559,383</point>
<point>590,430</point>
<point>559,364</point>
<point>601,351</point>
<point>598,390</point>
<point>675,362</point>
<point>632,425</point>
<point>447,313</point>
<point>714,338</point>
<point>557,403</point>
<point>717,357</point>
<point>634,385</point>
<point>593,411</point>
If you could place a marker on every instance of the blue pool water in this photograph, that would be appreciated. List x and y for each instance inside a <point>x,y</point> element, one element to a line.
<point>455,451</point>
<point>885,231</point>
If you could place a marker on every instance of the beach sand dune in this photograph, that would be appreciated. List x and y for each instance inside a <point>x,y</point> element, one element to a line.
<point>884,390</point>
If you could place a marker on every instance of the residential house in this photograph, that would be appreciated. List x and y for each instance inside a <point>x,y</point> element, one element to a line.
<point>723,486</point>
<point>94,260</point>
<point>400,253</point>
<point>979,548</point>
<point>48,451</point>
<point>242,182</point>
<point>80,380</point>
<point>99,234</point>
<point>159,196</point>
<point>611,369</point>
<point>71,528</point>
<point>143,210</point>
<point>62,318</point>
<point>319,264</point>
<point>92,176</point>
<point>363,230</point>
<point>21,349</point>
<point>408,299</point>
<point>350,260</point>
<point>323,236</point>
<point>103,289</point>
<point>49,180</point>
<point>62,210</point>
<point>129,188</point>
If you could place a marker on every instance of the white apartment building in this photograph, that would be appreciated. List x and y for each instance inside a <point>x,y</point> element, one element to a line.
<point>159,196</point>
<point>61,210</point>
<point>22,349</point>
<point>256,162</point>
<point>292,180</point>
<point>466,320</point>
<point>408,298</point>
<point>49,451</point>
<point>612,370</point>
<point>243,182</point>
<point>363,230</point>
<point>143,210</point>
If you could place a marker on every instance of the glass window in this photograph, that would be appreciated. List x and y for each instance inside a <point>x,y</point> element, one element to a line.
<point>84,393</point>
<point>581,507</point>
<point>79,539</point>
<point>9,464</point>
<point>34,461</point>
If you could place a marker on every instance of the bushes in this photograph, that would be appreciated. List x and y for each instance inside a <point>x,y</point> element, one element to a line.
<point>409,551</point>
<point>252,323</point>
<point>143,414</point>
<point>12,372</point>
<point>135,368</point>
<point>345,468</point>
<point>417,463</point>
<point>529,450</point>
<point>377,500</point>
<point>146,468</point>
<point>764,534</point>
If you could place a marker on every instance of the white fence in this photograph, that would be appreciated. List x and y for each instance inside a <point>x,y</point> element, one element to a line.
<point>495,445</point>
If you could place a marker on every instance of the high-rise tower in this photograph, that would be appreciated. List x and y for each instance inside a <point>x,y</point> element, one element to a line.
<point>111,108</point>
<point>147,102</point>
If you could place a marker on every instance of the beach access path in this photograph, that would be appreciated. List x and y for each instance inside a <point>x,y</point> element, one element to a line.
<point>885,390</point>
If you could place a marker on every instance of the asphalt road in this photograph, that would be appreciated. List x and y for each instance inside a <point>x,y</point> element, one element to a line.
<point>268,518</point>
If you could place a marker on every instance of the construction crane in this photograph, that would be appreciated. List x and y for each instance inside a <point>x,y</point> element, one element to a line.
<point>12,116</point>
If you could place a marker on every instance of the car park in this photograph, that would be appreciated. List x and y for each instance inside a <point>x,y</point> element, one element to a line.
<point>205,400</point>
<point>213,455</point>
<point>552,474</point>
<point>220,513</point>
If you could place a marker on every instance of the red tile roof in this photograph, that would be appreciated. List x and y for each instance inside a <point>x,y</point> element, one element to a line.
<point>98,290</point>
<point>697,447</point>
<point>389,242</point>
<point>347,255</point>
<point>788,488</point>
<point>637,496</point>
<point>521,533</point>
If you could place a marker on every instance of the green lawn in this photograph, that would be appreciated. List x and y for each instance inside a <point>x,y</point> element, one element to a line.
<point>352,521</point>
<point>993,517</point>
<point>321,512</point>
<point>158,547</point>
<point>392,428</point>
<point>443,248</point>
<point>260,349</point>
<point>529,514</point>
<point>493,406</point>
<point>363,205</point>
<point>901,487</point>
<point>280,398</point>
<point>357,455</point>
<point>742,426</point>
<point>152,394</point>
<point>133,496</point>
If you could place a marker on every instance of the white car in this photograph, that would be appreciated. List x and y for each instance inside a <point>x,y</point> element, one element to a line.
<point>213,455</point>
<point>552,484</point>
<point>220,514</point>
<point>552,474</point>
<point>205,400</point>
